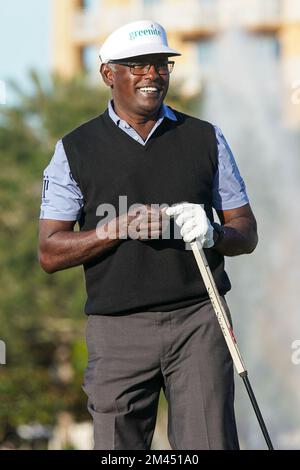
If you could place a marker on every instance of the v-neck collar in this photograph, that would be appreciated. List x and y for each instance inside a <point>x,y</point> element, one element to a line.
<point>164,112</point>
<point>126,137</point>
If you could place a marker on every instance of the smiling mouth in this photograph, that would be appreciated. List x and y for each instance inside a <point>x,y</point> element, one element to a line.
<point>149,90</point>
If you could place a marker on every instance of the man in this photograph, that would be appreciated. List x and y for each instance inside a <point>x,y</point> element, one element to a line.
<point>150,323</point>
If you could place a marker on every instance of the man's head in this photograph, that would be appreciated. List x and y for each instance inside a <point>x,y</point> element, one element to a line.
<point>136,65</point>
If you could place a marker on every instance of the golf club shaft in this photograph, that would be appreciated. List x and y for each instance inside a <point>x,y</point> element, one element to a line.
<point>257,411</point>
<point>218,306</point>
<point>227,331</point>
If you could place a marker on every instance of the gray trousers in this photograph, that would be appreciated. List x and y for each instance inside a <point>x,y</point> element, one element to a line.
<point>132,357</point>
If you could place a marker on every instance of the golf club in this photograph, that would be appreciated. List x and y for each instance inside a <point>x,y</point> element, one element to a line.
<point>227,332</point>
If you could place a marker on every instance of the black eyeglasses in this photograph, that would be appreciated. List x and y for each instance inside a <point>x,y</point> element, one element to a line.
<point>162,68</point>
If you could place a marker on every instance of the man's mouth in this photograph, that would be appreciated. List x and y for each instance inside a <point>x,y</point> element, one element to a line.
<point>149,90</point>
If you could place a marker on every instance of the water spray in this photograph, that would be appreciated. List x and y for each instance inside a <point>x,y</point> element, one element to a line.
<point>228,332</point>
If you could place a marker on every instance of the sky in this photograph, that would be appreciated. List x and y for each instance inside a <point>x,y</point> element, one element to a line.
<point>24,39</point>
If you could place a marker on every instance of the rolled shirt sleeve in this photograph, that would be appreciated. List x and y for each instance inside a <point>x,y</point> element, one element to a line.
<point>229,190</point>
<point>61,195</point>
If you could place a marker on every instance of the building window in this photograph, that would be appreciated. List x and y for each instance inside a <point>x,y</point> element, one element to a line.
<point>269,46</point>
<point>276,47</point>
<point>151,2</point>
<point>89,4</point>
<point>90,58</point>
<point>205,50</point>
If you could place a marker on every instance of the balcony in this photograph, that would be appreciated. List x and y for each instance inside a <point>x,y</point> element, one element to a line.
<point>86,27</point>
<point>195,18</point>
<point>261,15</point>
<point>291,11</point>
<point>190,19</point>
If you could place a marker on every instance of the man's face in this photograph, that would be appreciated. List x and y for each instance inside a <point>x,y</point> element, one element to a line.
<point>137,95</point>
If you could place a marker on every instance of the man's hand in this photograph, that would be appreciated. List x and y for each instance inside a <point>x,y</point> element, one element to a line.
<point>193,222</point>
<point>143,222</point>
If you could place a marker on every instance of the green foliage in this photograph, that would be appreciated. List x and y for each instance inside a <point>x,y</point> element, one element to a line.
<point>41,316</point>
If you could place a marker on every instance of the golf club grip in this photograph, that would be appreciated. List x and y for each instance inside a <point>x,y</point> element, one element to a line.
<point>218,307</point>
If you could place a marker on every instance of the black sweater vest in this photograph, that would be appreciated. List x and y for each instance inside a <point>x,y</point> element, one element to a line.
<point>177,164</point>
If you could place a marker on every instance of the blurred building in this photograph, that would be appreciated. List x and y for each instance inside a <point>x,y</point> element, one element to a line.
<point>80,26</point>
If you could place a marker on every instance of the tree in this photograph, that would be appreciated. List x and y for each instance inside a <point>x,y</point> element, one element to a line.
<point>41,315</point>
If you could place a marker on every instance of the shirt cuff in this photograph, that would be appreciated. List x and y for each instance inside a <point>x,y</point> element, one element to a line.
<point>58,216</point>
<point>231,205</point>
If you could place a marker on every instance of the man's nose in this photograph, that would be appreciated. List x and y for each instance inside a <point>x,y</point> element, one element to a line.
<point>152,72</point>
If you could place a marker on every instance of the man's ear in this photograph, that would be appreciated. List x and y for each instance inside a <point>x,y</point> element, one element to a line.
<point>107,74</point>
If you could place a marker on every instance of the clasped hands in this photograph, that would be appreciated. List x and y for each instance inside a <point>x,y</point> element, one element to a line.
<point>151,223</point>
<point>193,222</point>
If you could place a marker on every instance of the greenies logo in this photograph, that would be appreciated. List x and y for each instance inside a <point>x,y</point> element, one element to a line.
<point>144,32</point>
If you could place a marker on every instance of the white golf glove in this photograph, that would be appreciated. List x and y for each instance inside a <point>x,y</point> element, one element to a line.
<point>193,222</point>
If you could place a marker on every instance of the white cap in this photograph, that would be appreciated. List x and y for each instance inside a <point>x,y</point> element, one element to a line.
<point>134,39</point>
